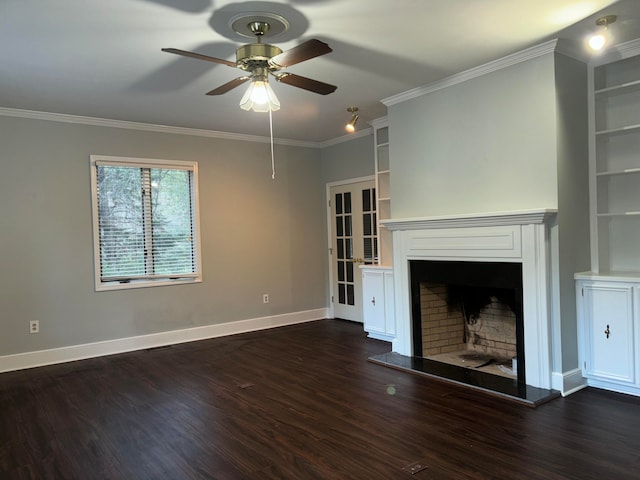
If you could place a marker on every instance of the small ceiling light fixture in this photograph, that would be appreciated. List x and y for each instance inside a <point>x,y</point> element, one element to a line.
<point>351,125</point>
<point>598,40</point>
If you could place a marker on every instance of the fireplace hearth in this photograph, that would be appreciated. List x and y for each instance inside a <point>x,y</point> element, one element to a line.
<point>494,385</point>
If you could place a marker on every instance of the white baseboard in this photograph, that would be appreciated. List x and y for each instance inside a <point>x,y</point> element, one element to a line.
<point>568,382</point>
<point>71,353</point>
<point>614,387</point>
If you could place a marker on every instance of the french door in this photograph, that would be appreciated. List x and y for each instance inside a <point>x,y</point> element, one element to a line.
<point>353,243</point>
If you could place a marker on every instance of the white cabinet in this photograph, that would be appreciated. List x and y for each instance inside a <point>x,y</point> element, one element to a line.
<point>378,309</point>
<point>608,297</point>
<point>614,158</point>
<point>377,298</point>
<point>609,328</point>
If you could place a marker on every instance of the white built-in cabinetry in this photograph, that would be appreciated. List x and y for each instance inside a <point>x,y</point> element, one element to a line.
<point>378,307</point>
<point>609,331</point>
<point>377,280</point>
<point>615,161</point>
<point>383,190</point>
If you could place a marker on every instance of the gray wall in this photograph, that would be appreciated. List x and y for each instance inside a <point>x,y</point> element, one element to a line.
<point>350,159</point>
<point>485,145</point>
<point>573,200</point>
<point>258,235</point>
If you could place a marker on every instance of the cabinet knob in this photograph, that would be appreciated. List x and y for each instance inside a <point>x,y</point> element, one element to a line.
<point>607,332</point>
<point>373,301</point>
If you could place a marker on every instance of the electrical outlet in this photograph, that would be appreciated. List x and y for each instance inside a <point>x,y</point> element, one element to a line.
<point>34,326</point>
<point>265,298</point>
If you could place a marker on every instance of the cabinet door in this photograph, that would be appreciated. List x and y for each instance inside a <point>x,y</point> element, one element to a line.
<point>609,336</point>
<point>373,301</point>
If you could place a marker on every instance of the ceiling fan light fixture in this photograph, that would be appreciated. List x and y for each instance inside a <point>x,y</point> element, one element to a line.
<point>259,60</point>
<point>603,36</point>
<point>260,97</point>
<point>350,127</point>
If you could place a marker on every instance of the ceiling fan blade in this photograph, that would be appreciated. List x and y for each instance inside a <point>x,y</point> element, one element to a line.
<point>199,56</point>
<point>305,51</point>
<point>306,83</point>
<point>236,82</point>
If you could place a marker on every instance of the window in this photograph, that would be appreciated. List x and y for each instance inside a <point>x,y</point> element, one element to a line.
<point>145,222</point>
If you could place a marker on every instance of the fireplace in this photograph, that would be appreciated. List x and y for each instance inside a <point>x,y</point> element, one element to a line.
<point>469,314</point>
<point>516,242</point>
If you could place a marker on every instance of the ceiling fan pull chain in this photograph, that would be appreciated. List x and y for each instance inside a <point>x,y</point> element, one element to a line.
<point>273,165</point>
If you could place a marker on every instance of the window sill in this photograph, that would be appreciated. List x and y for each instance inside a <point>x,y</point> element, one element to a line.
<point>110,286</point>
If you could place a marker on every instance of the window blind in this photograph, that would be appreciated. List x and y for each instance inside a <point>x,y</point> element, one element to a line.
<point>146,222</point>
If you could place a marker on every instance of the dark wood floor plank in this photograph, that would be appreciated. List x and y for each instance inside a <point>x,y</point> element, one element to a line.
<point>298,402</point>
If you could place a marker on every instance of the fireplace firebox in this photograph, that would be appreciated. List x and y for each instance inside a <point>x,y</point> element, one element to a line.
<point>469,314</point>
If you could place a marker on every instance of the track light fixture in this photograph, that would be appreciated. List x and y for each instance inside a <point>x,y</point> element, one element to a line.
<point>351,125</point>
<point>598,40</point>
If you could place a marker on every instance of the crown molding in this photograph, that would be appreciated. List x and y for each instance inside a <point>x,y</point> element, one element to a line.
<point>346,138</point>
<point>618,52</point>
<point>495,65</point>
<point>379,122</point>
<point>148,127</point>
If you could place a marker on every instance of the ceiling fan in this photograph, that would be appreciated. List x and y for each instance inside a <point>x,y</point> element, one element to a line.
<point>261,59</point>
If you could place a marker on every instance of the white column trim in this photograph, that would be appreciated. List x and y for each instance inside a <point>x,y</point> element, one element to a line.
<point>535,286</point>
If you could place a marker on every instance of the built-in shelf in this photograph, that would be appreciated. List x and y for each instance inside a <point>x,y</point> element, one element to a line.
<point>619,214</point>
<point>620,276</point>
<point>618,89</point>
<point>383,189</point>
<point>614,158</point>
<point>618,172</point>
<point>377,280</point>
<point>619,130</point>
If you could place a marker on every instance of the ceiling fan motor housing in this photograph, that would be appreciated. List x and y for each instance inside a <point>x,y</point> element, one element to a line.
<point>255,55</point>
<point>261,59</point>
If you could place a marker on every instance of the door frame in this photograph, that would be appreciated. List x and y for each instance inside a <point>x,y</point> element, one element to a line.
<point>327,200</point>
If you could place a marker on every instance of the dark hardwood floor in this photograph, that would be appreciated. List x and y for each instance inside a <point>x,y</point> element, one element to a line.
<point>298,402</point>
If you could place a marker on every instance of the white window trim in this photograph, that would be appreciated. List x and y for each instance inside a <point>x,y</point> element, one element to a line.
<point>150,163</point>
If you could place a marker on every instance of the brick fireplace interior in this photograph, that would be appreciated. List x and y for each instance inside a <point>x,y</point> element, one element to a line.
<point>469,314</point>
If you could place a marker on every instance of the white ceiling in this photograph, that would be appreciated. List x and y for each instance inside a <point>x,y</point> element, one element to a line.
<point>102,58</point>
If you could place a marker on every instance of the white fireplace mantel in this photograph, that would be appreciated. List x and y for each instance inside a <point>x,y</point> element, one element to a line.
<point>514,236</point>
<point>517,217</point>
